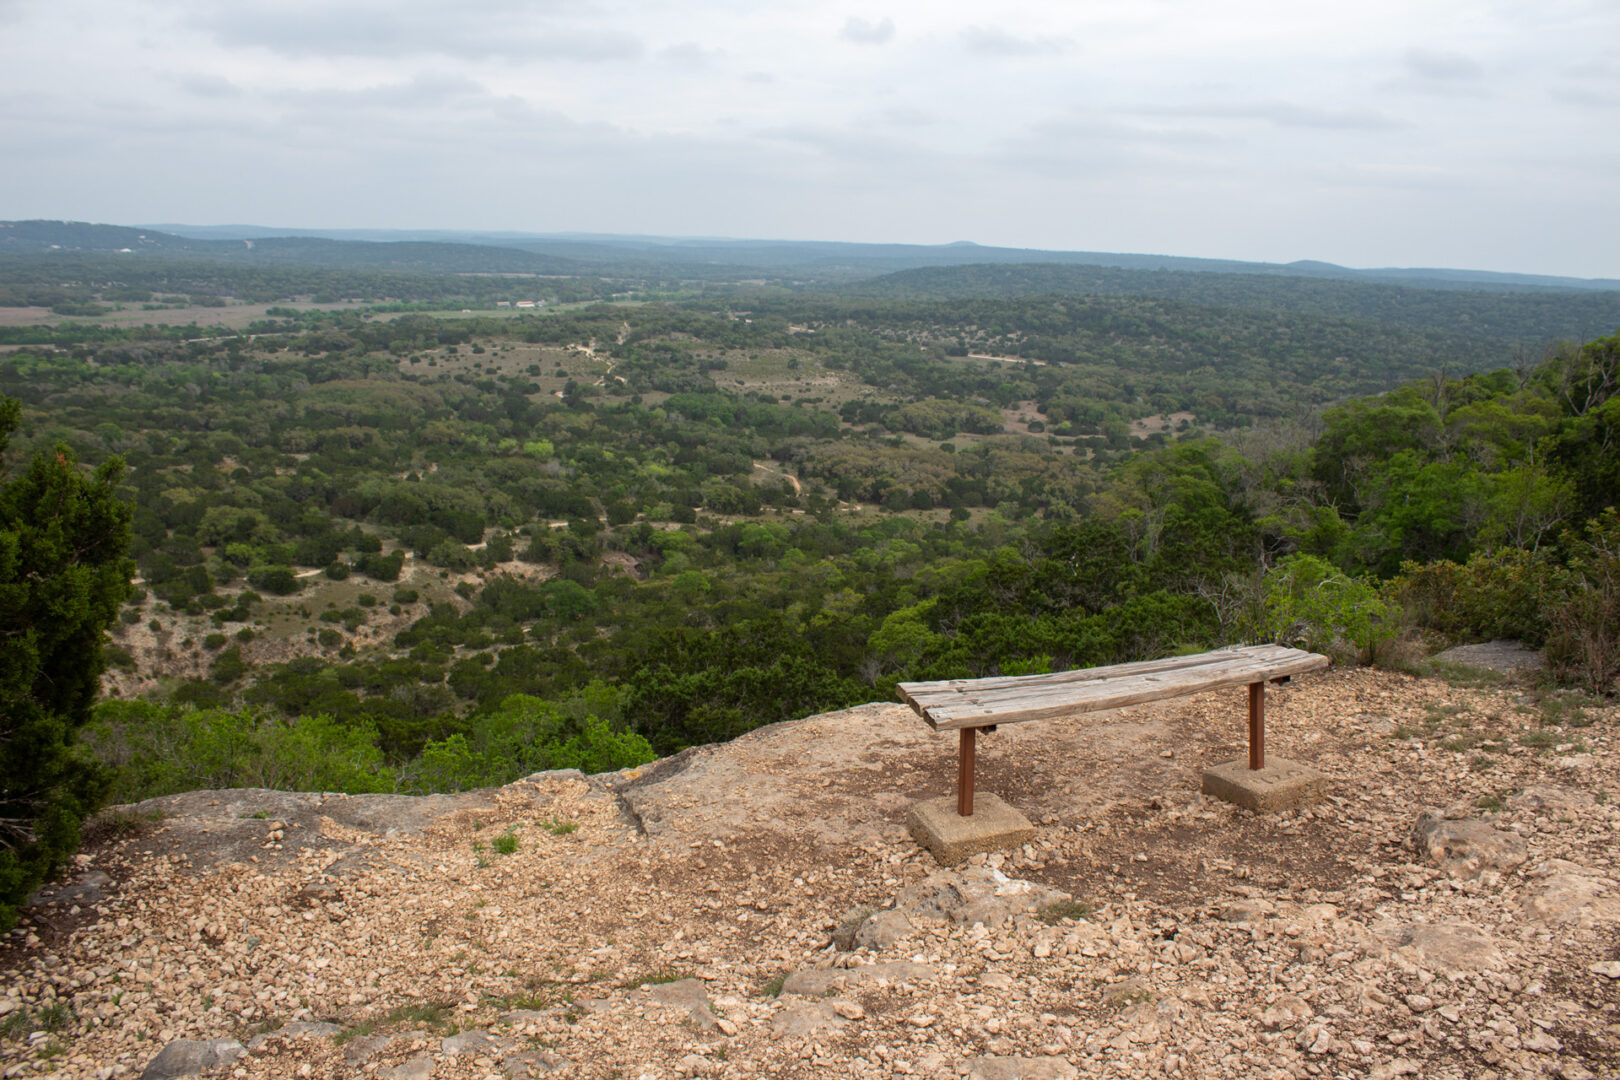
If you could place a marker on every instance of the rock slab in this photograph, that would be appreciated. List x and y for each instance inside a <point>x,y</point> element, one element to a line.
<point>1466,847</point>
<point>189,1057</point>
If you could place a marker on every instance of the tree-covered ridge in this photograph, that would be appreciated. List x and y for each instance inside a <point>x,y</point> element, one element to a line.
<point>1520,314</point>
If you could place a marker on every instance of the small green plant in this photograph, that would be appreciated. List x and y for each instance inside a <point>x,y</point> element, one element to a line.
<point>1539,739</point>
<point>558,827</point>
<point>1126,998</point>
<point>16,1025</point>
<point>1491,804</point>
<point>1052,914</point>
<point>773,988</point>
<point>1465,676</point>
<point>506,843</point>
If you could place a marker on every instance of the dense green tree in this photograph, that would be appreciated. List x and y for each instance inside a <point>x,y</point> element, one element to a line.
<point>64,572</point>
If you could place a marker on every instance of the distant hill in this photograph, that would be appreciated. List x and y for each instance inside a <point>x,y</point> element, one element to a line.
<point>850,260</point>
<point>1529,315</point>
<point>968,268</point>
<point>44,237</point>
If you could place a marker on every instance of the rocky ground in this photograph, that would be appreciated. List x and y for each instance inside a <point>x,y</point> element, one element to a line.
<point>756,909</point>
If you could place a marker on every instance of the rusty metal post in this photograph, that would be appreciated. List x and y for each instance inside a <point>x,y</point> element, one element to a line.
<point>1257,725</point>
<point>964,772</point>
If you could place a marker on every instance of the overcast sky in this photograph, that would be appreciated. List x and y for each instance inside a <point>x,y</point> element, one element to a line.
<point>1465,133</point>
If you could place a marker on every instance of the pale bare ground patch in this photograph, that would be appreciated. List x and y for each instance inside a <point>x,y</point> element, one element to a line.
<point>283,627</point>
<point>1147,425</point>
<point>233,316</point>
<point>793,481</point>
<point>1007,359</point>
<point>1017,417</point>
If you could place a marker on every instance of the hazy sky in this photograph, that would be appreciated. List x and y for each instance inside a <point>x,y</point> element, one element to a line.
<point>1467,133</point>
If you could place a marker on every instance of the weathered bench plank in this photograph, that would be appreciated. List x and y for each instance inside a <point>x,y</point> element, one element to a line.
<point>953,704</point>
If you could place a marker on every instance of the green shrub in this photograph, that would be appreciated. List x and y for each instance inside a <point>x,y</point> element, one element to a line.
<point>160,750</point>
<point>215,642</point>
<point>1584,643</point>
<point>276,580</point>
<point>228,666</point>
<point>1500,594</point>
<point>526,735</point>
<point>1313,604</point>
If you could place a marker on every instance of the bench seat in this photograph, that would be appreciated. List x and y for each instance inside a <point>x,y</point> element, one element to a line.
<point>951,704</point>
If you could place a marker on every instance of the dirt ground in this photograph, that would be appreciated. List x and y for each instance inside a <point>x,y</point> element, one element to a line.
<point>679,920</point>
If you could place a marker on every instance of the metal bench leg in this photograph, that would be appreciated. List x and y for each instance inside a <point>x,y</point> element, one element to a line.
<point>1257,725</point>
<point>964,772</point>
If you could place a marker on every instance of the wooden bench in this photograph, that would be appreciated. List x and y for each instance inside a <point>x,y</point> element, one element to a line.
<point>973,705</point>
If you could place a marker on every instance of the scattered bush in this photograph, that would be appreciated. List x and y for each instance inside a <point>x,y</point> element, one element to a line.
<point>1313,604</point>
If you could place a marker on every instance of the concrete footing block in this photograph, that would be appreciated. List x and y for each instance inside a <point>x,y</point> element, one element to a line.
<point>952,838</point>
<point>1281,785</point>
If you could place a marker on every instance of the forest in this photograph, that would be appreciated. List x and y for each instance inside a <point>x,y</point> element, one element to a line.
<point>429,542</point>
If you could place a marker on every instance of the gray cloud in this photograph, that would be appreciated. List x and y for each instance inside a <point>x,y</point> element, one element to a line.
<point>1282,114</point>
<point>1476,148</point>
<point>994,41</point>
<point>1442,66</point>
<point>860,31</point>
<point>690,54</point>
<point>210,86</point>
<point>505,30</point>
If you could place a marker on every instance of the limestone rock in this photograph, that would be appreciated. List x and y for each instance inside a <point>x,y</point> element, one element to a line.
<point>1454,947</point>
<point>1247,911</point>
<point>687,994</point>
<point>419,1067</point>
<point>818,982</point>
<point>1466,848</point>
<point>361,1050</point>
<point>1551,800</point>
<point>529,1064</point>
<point>473,1042</point>
<point>1575,895</point>
<point>988,1067</point>
<point>799,1020</point>
<point>189,1057</point>
<point>298,1029</point>
<point>1287,1011</point>
<point>883,929</point>
<point>976,894</point>
<point>86,888</point>
<point>1505,656</point>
